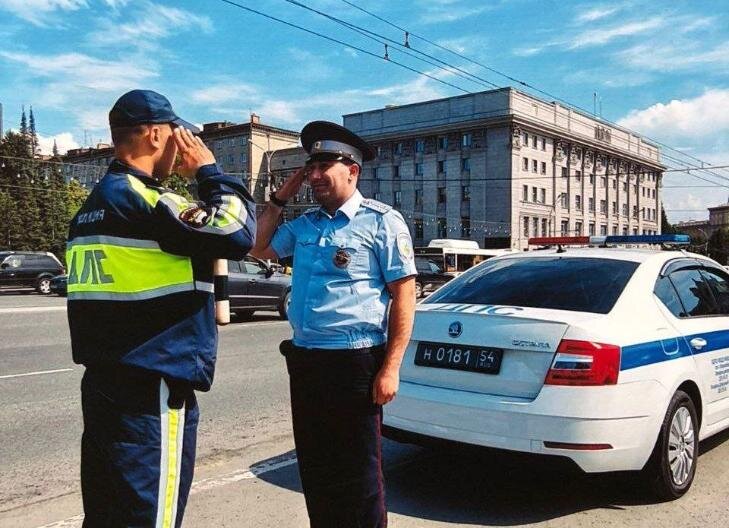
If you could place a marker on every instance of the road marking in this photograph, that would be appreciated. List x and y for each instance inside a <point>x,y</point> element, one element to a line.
<point>36,309</point>
<point>36,373</point>
<point>205,484</point>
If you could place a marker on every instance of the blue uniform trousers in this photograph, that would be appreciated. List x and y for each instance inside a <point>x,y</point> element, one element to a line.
<point>137,448</point>
<point>337,431</point>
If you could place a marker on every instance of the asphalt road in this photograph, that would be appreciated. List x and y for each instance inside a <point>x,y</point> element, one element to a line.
<point>246,473</point>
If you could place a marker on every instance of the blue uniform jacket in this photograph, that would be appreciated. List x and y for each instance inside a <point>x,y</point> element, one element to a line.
<point>140,284</point>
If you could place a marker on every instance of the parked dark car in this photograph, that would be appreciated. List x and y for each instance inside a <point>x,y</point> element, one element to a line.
<point>29,269</point>
<point>254,285</point>
<point>58,285</point>
<point>430,276</point>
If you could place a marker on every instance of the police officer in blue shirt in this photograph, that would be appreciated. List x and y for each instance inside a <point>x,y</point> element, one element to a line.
<point>353,258</point>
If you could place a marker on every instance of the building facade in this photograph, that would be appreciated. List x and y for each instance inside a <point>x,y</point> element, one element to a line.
<point>718,219</point>
<point>244,150</point>
<point>502,166</point>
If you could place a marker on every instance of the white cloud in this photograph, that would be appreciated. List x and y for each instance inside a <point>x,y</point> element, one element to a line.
<point>677,55</point>
<point>687,118</point>
<point>76,70</point>
<point>223,93</point>
<point>150,22</point>
<point>440,11</point>
<point>601,36</point>
<point>64,141</point>
<point>38,12</point>
<point>596,13</point>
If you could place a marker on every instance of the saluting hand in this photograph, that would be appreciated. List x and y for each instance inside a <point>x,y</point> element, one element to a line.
<point>385,386</point>
<point>292,184</point>
<point>193,152</point>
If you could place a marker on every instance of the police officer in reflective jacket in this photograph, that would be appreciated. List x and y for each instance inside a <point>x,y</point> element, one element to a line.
<point>141,311</point>
<point>352,258</point>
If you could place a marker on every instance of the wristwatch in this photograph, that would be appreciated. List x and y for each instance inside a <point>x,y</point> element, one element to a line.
<point>275,200</point>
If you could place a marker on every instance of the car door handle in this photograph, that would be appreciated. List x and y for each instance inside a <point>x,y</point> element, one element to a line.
<point>698,343</point>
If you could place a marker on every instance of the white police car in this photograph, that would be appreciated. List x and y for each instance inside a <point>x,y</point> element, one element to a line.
<point>616,358</point>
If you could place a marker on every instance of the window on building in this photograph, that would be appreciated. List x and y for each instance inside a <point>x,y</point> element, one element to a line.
<point>578,175</point>
<point>465,228</point>
<point>418,228</point>
<point>398,198</point>
<point>544,143</point>
<point>442,228</point>
<point>534,141</point>
<point>231,159</point>
<point>535,226</point>
<point>635,211</point>
<point>615,208</point>
<point>603,206</point>
<point>578,202</point>
<point>441,167</point>
<point>534,194</point>
<point>543,195</point>
<point>615,230</point>
<point>625,230</point>
<point>625,187</point>
<point>525,193</point>
<point>534,165</point>
<point>418,197</point>
<point>591,205</point>
<point>465,192</point>
<point>526,226</point>
<point>543,168</point>
<point>441,195</point>
<point>243,158</point>
<point>615,184</point>
<point>603,229</point>
<point>378,196</point>
<point>592,179</point>
<point>564,228</point>
<point>578,228</point>
<point>643,190</point>
<point>396,171</point>
<point>603,182</point>
<point>565,172</point>
<point>525,163</point>
<point>397,149</point>
<point>526,139</point>
<point>544,227</point>
<point>442,142</point>
<point>591,229</point>
<point>625,210</point>
<point>419,145</point>
<point>565,199</point>
<point>418,169</point>
<point>635,230</point>
<point>467,140</point>
<point>466,164</point>
<point>374,173</point>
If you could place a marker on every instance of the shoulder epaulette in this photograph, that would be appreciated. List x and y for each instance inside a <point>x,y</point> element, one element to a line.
<point>376,206</point>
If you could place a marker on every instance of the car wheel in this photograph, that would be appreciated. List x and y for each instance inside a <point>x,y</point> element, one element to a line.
<point>671,468</point>
<point>244,315</point>
<point>44,285</point>
<point>283,309</point>
<point>418,290</point>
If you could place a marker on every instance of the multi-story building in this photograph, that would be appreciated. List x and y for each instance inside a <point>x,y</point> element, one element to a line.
<point>245,150</point>
<point>718,219</point>
<point>501,166</point>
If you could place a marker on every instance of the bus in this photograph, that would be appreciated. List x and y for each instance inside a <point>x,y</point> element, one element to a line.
<point>446,258</point>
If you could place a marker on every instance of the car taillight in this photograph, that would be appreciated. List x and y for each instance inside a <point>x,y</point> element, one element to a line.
<point>584,363</point>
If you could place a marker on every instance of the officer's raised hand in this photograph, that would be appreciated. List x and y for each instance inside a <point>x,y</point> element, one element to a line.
<point>193,152</point>
<point>292,184</point>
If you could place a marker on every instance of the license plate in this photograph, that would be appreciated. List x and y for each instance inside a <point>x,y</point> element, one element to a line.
<point>459,357</point>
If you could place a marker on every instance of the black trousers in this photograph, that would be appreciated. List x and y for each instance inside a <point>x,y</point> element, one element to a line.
<point>337,431</point>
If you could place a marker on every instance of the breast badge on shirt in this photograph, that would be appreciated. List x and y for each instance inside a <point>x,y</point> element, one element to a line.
<point>342,258</point>
<point>405,246</point>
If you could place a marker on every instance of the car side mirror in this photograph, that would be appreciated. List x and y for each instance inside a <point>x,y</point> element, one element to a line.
<point>269,273</point>
<point>4,265</point>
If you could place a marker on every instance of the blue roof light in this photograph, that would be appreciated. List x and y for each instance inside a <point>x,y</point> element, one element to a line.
<point>682,240</point>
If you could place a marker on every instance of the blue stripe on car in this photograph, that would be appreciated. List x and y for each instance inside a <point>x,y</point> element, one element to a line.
<point>634,356</point>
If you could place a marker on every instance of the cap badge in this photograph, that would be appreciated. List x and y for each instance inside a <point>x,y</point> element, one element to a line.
<point>342,258</point>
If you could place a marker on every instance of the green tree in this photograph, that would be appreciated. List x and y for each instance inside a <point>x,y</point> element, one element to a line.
<point>179,185</point>
<point>719,246</point>
<point>666,227</point>
<point>23,231</point>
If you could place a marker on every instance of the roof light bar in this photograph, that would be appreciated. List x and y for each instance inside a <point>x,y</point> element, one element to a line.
<point>682,240</point>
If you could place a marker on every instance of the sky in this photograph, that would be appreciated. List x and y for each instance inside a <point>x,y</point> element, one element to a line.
<point>658,68</point>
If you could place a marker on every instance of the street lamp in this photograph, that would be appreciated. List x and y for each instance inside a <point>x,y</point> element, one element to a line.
<point>268,155</point>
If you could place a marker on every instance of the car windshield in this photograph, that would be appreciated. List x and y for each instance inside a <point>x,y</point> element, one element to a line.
<point>427,265</point>
<point>560,283</point>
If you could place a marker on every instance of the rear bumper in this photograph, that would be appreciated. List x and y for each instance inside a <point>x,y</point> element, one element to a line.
<point>627,417</point>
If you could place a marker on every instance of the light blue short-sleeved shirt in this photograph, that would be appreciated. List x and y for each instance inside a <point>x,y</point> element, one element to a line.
<point>342,264</point>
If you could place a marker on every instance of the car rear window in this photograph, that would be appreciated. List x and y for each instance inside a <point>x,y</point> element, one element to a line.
<point>560,283</point>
